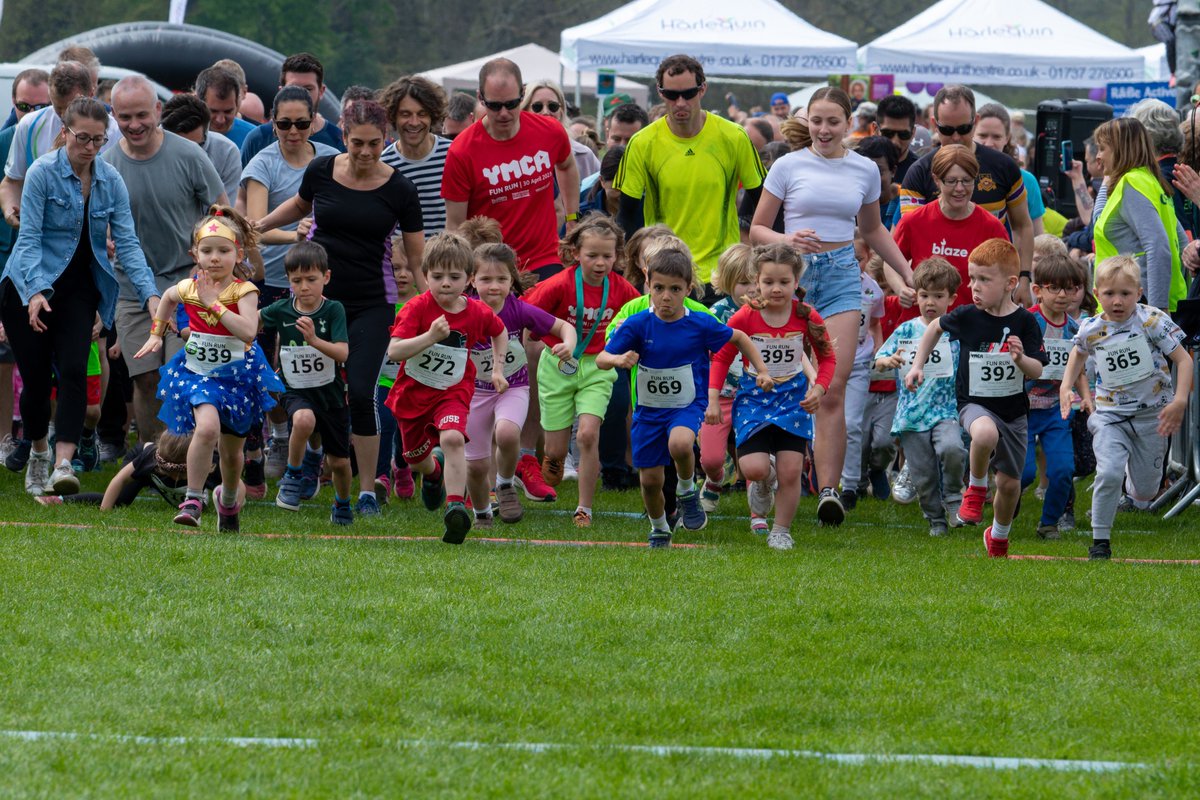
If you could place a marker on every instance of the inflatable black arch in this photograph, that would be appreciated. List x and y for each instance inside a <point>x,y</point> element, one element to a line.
<point>174,54</point>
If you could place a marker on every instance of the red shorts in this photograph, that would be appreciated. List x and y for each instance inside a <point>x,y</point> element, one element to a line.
<point>93,390</point>
<point>419,434</point>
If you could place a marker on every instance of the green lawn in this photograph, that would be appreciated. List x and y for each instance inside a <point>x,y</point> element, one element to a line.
<point>870,639</point>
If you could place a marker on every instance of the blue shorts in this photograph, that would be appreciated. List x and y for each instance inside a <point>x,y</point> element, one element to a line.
<point>651,437</point>
<point>832,281</point>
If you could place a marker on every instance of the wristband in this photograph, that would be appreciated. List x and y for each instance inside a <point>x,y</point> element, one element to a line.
<point>1026,274</point>
<point>217,308</point>
<point>158,327</point>
<point>572,217</point>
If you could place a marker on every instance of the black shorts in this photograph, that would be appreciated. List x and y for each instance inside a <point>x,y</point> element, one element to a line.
<point>333,424</point>
<point>547,271</point>
<point>772,439</point>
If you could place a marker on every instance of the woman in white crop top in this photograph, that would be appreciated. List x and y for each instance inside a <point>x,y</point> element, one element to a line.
<point>826,191</point>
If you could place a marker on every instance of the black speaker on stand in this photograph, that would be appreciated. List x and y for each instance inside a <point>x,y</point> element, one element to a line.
<point>1061,121</point>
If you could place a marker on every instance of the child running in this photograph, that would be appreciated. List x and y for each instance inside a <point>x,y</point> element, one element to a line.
<point>926,420</point>
<point>313,344</point>
<point>391,473</point>
<point>502,415</point>
<point>670,345</point>
<point>778,422</point>
<point>1055,280</point>
<point>587,296</point>
<point>1132,347</point>
<point>432,341</point>
<point>1000,346</point>
<point>219,383</point>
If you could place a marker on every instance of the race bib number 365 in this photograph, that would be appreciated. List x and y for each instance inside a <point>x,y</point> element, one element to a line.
<point>994,375</point>
<point>1125,362</point>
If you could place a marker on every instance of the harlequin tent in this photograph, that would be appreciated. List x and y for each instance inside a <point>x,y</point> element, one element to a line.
<point>1000,43</point>
<point>746,38</point>
<point>536,63</point>
<point>1157,68</point>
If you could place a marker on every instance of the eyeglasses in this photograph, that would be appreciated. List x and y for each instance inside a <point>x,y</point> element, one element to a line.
<point>85,140</point>
<point>286,124</point>
<point>1057,289</point>
<point>671,95</point>
<point>539,105</point>
<point>496,105</point>
<point>25,108</point>
<point>950,130</point>
<point>958,182</point>
<point>902,135</point>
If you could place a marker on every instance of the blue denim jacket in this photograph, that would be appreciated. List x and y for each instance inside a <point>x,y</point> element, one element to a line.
<point>52,222</point>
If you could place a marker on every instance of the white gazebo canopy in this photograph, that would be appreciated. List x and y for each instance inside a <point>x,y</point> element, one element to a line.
<point>1000,43</point>
<point>536,63</point>
<point>1157,68</point>
<point>747,38</point>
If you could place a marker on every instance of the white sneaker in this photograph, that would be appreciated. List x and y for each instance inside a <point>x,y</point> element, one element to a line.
<point>903,491</point>
<point>277,456</point>
<point>37,473</point>
<point>761,494</point>
<point>63,479</point>
<point>779,540</point>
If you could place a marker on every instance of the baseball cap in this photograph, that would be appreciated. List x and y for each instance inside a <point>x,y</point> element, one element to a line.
<point>615,100</point>
<point>779,97</point>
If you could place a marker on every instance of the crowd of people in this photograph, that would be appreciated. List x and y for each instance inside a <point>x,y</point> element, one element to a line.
<point>485,296</point>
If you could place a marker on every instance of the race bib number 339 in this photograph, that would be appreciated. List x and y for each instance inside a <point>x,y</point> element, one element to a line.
<point>208,352</point>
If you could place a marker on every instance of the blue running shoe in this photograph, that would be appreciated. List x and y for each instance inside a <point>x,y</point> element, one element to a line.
<point>310,474</point>
<point>694,518</point>
<point>290,488</point>
<point>367,506</point>
<point>342,515</point>
<point>659,538</point>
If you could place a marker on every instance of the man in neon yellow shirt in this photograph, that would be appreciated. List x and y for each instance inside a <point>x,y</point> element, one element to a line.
<point>684,169</point>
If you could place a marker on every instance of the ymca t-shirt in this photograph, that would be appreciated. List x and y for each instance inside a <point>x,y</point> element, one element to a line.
<point>928,232</point>
<point>691,185</point>
<point>558,296</point>
<point>409,398</point>
<point>512,182</point>
<point>684,342</point>
<point>980,332</point>
<point>329,321</point>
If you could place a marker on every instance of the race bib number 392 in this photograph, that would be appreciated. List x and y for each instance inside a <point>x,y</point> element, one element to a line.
<point>994,375</point>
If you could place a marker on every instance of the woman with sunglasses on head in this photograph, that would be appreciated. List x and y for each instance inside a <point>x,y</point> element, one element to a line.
<point>546,98</point>
<point>952,225</point>
<point>357,201</point>
<point>827,191</point>
<point>59,287</point>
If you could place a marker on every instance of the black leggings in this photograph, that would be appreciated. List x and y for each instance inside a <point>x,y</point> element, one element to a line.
<point>369,332</point>
<point>62,349</point>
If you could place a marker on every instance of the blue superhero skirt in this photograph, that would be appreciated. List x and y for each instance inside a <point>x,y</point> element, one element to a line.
<point>239,390</point>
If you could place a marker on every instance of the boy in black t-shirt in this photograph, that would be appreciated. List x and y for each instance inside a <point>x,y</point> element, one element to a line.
<point>1000,345</point>
<point>313,344</point>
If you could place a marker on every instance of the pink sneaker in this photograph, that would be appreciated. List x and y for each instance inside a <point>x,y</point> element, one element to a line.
<point>402,482</point>
<point>996,548</point>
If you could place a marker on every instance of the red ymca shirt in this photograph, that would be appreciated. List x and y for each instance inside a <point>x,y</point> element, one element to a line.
<point>512,182</point>
<point>558,296</point>
<point>926,232</point>
<point>410,398</point>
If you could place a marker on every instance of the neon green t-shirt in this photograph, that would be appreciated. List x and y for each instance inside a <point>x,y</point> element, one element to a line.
<point>691,184</point>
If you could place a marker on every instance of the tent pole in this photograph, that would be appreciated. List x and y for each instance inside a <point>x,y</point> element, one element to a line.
<point>578,80</point>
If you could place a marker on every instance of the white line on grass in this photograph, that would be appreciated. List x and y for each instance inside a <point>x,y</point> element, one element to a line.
<point>760,753</point>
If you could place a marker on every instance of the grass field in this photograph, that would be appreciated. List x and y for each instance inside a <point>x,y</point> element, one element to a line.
<point>405,667</point>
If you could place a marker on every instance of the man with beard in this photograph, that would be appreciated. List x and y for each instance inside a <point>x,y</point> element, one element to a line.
<point>416,108</point>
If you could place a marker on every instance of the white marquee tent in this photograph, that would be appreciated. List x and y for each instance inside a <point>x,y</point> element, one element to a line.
<point>1157,68</point>
<point>746,38</point>
<point>1000,43</point>
<point>536,63</point>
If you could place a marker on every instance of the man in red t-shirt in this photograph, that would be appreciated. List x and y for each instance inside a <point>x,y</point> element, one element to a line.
<point>504,167</point>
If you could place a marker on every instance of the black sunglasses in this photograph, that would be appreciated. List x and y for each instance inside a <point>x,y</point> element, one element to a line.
<point>961,130</point>
<point>903,135</point>
<point>25,108</point>
<point>286,124</point>
<point>671,95</point>
<point>496,105</point>
<point>539,105</point>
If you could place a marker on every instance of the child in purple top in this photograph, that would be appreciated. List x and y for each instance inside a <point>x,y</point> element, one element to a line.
<point>498,283</point>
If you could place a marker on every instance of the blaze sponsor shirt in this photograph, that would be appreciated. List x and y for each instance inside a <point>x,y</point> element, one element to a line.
<point>691,185</point>
<point>558,297</point>
<point>512,182</point>
<point>926,232</point>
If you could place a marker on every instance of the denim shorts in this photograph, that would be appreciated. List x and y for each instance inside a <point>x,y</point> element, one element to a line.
<point>832,281</point>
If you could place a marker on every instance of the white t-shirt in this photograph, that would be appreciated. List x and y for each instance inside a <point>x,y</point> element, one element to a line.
<point>823,194</point>
<point>1126,383</point>
<point>35,137</point>
<point>872,309</point>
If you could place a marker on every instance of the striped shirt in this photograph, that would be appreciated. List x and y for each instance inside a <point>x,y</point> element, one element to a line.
<point>426,175</point>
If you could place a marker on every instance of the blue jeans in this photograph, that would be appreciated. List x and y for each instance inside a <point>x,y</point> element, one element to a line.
<point>1047,425</point>
<point>832,281</point>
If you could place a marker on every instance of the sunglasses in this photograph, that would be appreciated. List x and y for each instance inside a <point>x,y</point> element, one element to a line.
<point>950,130</point>
<point>25,108</point>
<point>539,105</point>
<point>286,124</point>
<point>903,135</point>
<point>671,95</point>
<point>496,105</point>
